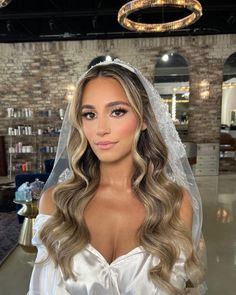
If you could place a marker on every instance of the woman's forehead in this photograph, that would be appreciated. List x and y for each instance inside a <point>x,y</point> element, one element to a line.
<point>103,89</point>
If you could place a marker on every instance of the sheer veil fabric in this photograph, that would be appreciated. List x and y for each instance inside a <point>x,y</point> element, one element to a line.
<point>177,168</point>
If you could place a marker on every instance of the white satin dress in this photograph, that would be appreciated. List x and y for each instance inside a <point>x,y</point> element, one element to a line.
<point>126,275</point>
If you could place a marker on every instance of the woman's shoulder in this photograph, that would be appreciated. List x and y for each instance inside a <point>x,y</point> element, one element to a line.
<point>46,203</point>
<point>186,210</point>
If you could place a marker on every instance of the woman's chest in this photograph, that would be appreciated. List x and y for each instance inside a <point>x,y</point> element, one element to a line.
<point>115,215</point>
<point>113,225</point>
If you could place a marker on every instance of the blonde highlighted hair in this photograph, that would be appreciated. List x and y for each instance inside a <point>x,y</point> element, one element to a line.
<point>162,233</point>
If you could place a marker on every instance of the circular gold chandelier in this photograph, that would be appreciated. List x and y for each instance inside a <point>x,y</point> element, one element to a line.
<point>193,5</point>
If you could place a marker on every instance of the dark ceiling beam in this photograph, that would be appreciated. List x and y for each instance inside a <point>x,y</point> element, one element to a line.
<point>68,28</point>
<point>26,28</point>
<point>98,12</point>
<point>47,14</point>
<point>54,4</point>
<point>222,7</point>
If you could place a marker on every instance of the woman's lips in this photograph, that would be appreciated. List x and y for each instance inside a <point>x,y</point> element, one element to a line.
<point>106,145</point>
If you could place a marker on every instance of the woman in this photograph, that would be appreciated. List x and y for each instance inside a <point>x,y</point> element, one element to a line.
<point>127,218</point>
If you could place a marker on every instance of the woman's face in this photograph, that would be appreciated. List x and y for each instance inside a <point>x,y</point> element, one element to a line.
<point>108,120</point>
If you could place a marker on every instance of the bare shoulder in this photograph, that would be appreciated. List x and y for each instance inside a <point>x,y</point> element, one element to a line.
<point>46,203</point>
<point>186,210</point>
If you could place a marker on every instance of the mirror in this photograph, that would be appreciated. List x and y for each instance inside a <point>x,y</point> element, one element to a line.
<point>172,82</point>
<point>228,110</point>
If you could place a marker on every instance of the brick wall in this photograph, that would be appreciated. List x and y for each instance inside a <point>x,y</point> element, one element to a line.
<point>37,74</point>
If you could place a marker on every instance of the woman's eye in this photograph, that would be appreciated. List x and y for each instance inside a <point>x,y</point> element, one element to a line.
<point>88,115</point>
<point>119,112</point>
<point>114,113</point>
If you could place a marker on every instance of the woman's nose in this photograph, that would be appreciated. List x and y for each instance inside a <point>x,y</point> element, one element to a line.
<point>103,126</point>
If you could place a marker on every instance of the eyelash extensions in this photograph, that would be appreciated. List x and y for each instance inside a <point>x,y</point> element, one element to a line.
<point>118,109</point>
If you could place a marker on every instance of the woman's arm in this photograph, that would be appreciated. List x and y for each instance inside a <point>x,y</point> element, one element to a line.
<point>186,210</point>
<point>46,279</point>
<point>46,204</point>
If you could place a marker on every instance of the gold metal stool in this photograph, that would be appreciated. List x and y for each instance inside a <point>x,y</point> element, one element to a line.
<point>29,211</point>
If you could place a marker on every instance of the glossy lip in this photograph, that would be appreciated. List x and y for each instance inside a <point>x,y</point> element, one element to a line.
<point>105,145</point>
<point>104,142</point>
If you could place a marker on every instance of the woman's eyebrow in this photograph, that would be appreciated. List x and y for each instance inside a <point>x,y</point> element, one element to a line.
<point>110,104</point>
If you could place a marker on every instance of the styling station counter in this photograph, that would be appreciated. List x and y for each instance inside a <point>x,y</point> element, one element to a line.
<point>203,158</point>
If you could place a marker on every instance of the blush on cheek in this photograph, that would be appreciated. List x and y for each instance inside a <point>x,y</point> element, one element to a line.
<point>129,128</point>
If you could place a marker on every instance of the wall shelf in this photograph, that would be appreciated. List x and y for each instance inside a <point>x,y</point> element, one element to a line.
<point>41,140</point>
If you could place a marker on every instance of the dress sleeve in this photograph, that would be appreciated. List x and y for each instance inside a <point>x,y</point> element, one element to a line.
<point>178,275</point>
<point>46,279</point>
<point>179,278</point>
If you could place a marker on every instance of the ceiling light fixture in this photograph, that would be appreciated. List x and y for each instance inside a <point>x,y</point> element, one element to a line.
<point>108,58</point>
<point>136,5</point>
<point>165,57</point>
<point>4,3</point>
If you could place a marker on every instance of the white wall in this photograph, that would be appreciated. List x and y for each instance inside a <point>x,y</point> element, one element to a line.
<point>228,103</point>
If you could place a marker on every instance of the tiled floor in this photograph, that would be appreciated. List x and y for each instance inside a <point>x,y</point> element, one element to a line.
<point>219,205</point>
<point>219,209</point>
<point>15,273</point>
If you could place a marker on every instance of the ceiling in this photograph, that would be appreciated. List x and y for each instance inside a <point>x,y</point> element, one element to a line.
<point>47,20</point>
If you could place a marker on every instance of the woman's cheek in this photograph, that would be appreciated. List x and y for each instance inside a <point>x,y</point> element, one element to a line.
<point>87,131</point>
<point>128,128</point>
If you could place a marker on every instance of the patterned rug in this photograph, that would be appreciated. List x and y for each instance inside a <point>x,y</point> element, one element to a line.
<point>9,233</point>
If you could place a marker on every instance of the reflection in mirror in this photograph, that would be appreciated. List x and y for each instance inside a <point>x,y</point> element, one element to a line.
<point>228,110</point>
<point>172,82</point>
<point>224,215</point>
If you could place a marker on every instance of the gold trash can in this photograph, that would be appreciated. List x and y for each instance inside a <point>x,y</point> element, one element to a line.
<point>29,211</point>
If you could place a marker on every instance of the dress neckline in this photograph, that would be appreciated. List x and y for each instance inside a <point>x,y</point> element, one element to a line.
<point>93,250</point>
<point>134,251</point>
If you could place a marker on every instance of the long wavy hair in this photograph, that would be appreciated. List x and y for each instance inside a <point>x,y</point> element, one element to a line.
<point>162,233</point>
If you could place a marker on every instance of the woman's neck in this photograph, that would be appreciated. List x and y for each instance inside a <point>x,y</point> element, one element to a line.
<point>117,175</point>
